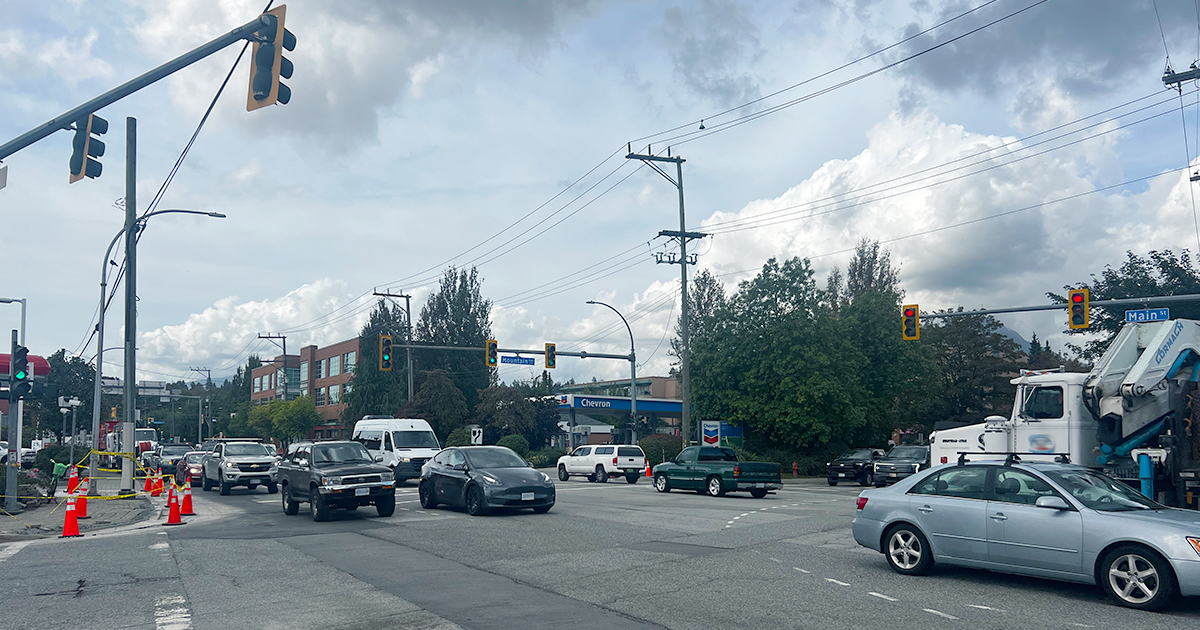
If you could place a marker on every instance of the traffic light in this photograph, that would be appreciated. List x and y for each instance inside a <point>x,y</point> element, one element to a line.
<point>85,147</point>
<point>912,322</point>
<point>1078,312</point>
<point>551,357</point>
<point>492,353</point>
<point>385,353</point>
<point>267,63</point>
<point>21,382</point>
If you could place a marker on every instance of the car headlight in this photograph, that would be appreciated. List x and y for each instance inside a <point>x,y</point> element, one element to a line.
<point>489,479</point>
<point>331,481</point>
<point>546,478</point>
<point>1194,542</point>
<point>229,465</point>
<point>406,459</point>
<point>387,476</point>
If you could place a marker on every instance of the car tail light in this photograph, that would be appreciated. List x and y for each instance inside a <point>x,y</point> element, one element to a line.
<point>862,502</point>
<point>614,461</point>
<point>737,470</point>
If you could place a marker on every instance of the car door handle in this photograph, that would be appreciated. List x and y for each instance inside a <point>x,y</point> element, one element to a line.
<point>925,508</point>
<point>998,516</point>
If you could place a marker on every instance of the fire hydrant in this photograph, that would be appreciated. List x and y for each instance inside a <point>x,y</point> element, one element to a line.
<point>795,470</point>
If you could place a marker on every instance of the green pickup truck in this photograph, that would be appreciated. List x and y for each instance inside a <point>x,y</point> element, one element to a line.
<point>716,470</point>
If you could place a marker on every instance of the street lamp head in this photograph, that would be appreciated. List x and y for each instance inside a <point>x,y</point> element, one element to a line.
<point>217,215</point>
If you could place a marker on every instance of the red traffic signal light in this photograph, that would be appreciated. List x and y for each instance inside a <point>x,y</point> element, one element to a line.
<point>911,322</point>
<point>1078,309</point>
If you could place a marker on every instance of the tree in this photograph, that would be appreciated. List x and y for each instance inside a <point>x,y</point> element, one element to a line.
<point>371,390</point>
<point>504,409</point>
<point>73,377</point>
<point>457,315</point>
<point>440,403</point>
<point>706,297</point>
<point>974,364</point>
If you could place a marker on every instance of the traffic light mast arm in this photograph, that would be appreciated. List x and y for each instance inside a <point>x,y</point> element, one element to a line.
<point>64,121</point>
<point>1163,299</point>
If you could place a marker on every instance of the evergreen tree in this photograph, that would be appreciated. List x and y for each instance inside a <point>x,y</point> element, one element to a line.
<point>374,392</point>
<point>457,315</point>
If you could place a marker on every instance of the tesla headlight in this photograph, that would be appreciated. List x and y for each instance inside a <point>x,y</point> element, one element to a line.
<point>490,479</point>
<point>387,476</point>
<point>546,478</point>
<point>331,481</point>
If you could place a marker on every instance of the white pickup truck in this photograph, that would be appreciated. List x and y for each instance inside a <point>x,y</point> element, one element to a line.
<point>599,462</point>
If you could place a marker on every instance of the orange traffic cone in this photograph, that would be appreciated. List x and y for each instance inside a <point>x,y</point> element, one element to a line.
<point>186,510</point>
<point>81,502</point>
<point>70,525</point>
<point>72,480</point>
<point>647,468</point>
<point>173,514</point>
<point>149,482</point>
<point>157,488</point>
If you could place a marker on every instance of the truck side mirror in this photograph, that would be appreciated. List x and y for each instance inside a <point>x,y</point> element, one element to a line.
<point>379,458</point>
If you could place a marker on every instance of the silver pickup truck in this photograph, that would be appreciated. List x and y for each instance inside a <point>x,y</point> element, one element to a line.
<point>247,464</point>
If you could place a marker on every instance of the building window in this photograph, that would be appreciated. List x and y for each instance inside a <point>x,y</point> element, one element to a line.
<point>304,373</point>
<point>335,365</point>
<point>257,384</point>
<point>320,399</point>
<point>317,366</point>
<point>348,361</point>
<point>345,389</point>
<point>334,396</point>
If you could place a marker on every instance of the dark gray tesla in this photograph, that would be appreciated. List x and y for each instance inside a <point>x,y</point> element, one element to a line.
<point>482,478</point>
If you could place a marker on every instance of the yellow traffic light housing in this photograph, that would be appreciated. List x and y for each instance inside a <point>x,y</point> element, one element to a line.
<point>1078,309</point>
<point>911,322</point>
<point>491,353</point>
<point>551,356</point>
<point>267,63</point>
<point>385,353</point>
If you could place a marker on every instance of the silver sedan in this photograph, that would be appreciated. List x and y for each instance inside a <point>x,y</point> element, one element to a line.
<point>1056,521</point>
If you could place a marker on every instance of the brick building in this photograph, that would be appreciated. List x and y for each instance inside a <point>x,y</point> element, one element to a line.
<point>321,373</point>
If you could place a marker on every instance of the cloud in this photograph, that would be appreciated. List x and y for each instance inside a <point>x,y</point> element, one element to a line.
<point>72,59</point>
<point>711,44</point>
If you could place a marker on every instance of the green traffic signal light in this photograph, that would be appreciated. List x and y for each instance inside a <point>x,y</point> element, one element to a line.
<point>385,353</point>
<point>492,351</point>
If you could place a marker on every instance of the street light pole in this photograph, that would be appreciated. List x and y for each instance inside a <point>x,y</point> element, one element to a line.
<point>632,371</point>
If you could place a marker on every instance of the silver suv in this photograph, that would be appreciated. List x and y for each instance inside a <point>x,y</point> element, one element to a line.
<point>249,464</point>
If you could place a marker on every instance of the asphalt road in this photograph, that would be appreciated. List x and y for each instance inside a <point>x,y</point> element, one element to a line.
<point>610,556</point>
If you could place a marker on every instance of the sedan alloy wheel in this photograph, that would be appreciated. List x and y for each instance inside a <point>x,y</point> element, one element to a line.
<point>661,484</point>
<point>1138,578</point>
<point>907,551</point>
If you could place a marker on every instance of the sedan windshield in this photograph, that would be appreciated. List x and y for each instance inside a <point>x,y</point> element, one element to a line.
<point>1101,492</point>
<point>340,454</point>
<point>194,458</point>
<point>907,452</point>
<point>415,439</point>
<point>494,458</point>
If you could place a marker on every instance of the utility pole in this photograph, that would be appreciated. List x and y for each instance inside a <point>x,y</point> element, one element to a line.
<point>131,236</point>
<point>683,261</point>
<point>407,334</point>
<point>207,375</point>
<point>283,380</point>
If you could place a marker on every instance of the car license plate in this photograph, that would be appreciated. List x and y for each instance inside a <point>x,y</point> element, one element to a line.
<point>362,492</point>
<point>760,485</point>
<point>891,474</point>
<point>526,496</point>
<point>843,474</point>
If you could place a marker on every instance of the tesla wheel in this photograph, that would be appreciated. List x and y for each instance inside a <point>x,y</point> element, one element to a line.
<point>290,507</point>
<point>207,485</point>
<point>758,494</point>
<point>318,507</point>
<point>542,509</point>
<point>832,481</point>
<point>868,479</point>
<point>601,475</point>
<point>907,550</point>
<point>632,478</point>
<point>225,488</point>
<point>562,473</point>
<point>475,503</point>
<point>714,487</point>
<point>386,506</point>
<point>272,488</point>
<point>425,492</point>
<point>661,484</point>
<point>1136,577</point>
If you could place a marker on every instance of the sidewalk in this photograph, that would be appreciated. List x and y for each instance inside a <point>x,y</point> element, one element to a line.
<point>46,520</point>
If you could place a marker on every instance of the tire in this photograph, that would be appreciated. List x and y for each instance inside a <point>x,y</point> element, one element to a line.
<point>193,484</point>
<point>832,481</point>
<point>562,473</point>
<point>601,475</point>
<point>907,550</point>
<point>758,494</point>
<point>386,506</point>
<point>713,487</point>
<point>318,507</point>
<point>208,485</point>
<point>868,479</point>
<point>225,488</point>
<point>632,479</point>
<point>290,507</point>
<point>661,483</point>
<point>272,488</point>
<point>542,509</point>
<point>425,492</point>
<point>1137,577</point>
<point>591,478</point>
<point>475,502</point>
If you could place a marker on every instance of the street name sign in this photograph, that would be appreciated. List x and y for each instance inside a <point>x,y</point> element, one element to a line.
<point>517,360</point>
<point>1148,315</point>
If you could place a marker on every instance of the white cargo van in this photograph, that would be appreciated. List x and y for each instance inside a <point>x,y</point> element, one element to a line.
<point>404,443</point>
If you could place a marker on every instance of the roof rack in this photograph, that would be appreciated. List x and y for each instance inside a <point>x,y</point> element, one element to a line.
<point>1011,457</point>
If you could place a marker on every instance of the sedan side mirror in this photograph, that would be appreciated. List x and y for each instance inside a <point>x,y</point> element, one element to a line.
<point>529,463</point>
<point>1052,502</point>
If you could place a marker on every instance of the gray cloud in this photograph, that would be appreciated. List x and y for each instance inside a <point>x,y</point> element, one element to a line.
<point>710,44</point>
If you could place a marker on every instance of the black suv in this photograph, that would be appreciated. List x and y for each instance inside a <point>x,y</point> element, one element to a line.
<point>900,462</point>
<point>857,465</point>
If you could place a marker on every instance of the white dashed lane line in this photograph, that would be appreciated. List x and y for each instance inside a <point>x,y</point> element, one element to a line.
<point>985,608</point>
<point>802,570</point>
<point>838,582</point>
<point>171,613</point>
<point>882,596</point>
<point>940,614</point>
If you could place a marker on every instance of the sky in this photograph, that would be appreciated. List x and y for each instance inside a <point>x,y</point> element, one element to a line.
<point>999,150</point>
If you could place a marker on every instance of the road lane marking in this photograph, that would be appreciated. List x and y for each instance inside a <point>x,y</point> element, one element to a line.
<point>802,570</point>
<point>755,551</point>
<point>171,613</point>
<point>838,582</point>
<point>160,545</point>
<point>882,596</point>
<point>11,549</point>
<point>939,613</point>
<point>776,560</point>
<point>985,607</point>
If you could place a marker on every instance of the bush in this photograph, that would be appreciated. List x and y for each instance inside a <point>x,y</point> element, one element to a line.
<point>459,437</point>
<point>545,458</point>
<point>516,443</point>
<point>810,466</point>
<point>57,453</point>
<point>661,447</point>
